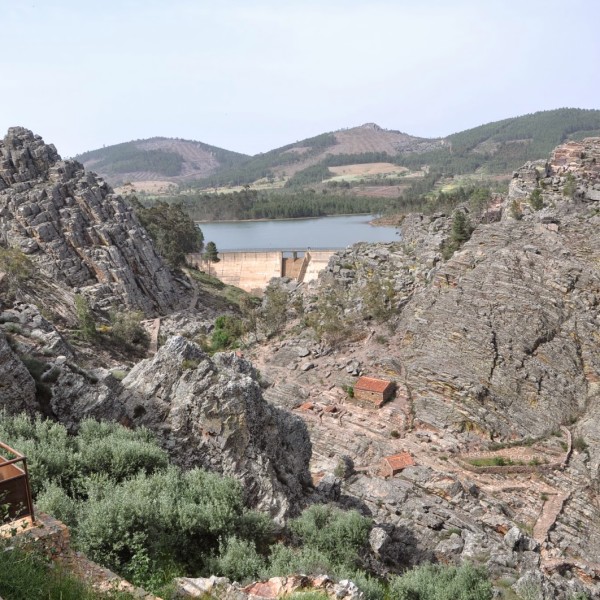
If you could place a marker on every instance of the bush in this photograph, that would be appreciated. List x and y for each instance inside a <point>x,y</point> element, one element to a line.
<point>127,329</point>
<point>579,444</point>
<point>436,582</point>
<point>515,210</point>
<point>226,334</point>
<point>570,186</point>
<point>18,270</point>
<point>535,200</point>
<point>274,308</point>
<point>337,534</point>
<point>238,560</point>
<point>85,318</point>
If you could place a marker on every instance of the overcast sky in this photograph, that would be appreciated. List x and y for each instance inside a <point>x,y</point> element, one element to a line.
<point>252,75</point>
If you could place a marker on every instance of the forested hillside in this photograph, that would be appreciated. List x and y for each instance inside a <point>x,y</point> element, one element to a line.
<point>158,158</point>
<point>503,146</point>
<point>361,169</point>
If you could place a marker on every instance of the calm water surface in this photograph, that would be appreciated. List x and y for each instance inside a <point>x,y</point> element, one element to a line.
<point>322,232</point>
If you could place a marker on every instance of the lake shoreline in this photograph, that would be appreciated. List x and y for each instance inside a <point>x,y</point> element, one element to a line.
<point>372,222</point>
<point>336,231</point>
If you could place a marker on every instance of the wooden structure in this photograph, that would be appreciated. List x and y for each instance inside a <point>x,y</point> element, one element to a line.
<point>392,465</point>
<point>14,484</point>
<point>372,391</point>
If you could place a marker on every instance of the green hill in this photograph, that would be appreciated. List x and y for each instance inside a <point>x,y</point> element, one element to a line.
<point>158,158</point>
<point>503,146</point>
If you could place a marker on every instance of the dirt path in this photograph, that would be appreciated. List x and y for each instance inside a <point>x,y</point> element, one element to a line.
<point>552,508</point>
<point>194,299</point>
<point>152,326</point>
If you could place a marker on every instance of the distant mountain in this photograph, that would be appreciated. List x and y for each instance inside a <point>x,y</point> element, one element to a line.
<point>158,159</point>
<point>496,148</point>
<point>503,146</point>
<point>364,144</point>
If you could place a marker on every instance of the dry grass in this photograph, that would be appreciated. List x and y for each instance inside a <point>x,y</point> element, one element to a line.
<point>149,187</point>
<point>367,169</point>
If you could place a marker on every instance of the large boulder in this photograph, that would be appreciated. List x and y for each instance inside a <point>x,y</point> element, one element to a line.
<point>76,230</point>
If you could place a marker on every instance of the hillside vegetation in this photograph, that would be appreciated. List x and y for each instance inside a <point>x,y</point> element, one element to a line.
<point>503,146</point>
<point>291,179</point>
<point>158,158</point>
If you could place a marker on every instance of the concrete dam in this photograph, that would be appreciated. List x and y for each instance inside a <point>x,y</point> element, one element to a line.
<point>253,270</point>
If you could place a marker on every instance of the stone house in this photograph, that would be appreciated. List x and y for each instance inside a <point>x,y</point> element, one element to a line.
<point>392,465</point>
<point>373,392</point>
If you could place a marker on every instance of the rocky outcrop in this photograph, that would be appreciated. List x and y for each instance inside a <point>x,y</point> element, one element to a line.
<point>276,587</point>
<point>17,387</point>
<point>504,340</point>
<point>493,346</point>
<point>207,412</point>
<point>76,230</point>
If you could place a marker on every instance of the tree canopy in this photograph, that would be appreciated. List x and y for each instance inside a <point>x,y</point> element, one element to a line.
<point>172,230</point>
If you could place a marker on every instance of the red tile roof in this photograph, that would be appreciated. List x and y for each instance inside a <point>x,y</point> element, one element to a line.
<point>370,384</point>
<point>400,461</point>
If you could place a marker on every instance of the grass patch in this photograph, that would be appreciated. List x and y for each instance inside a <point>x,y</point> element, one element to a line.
<point>25,575</point>
<point>492,461</point>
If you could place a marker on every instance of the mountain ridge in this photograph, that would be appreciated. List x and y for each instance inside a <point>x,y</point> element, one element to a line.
<point>496,147</point>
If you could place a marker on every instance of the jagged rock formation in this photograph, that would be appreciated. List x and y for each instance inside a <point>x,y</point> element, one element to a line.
<point>76,230</point>
<point>496,344</point>
<point>206,412</point>
<point>211,412</point>
<point>505,337</point>
<point>17,387</point>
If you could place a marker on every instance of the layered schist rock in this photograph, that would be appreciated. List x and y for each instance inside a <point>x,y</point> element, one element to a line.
<point>210,412</point>
<point>207,412</point>
<point>504,339</point>
<point>17,387</point>
<point>76,230</point>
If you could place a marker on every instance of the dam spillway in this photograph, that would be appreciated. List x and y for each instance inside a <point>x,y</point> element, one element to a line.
<point>252,270</point>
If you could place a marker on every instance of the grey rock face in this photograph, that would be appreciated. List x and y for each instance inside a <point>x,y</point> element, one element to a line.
<point>211,413</point>
<point>76,230</point>
<point>504,337</point>
<point>17,387</point>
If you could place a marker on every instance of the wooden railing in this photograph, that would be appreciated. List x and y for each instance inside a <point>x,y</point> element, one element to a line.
<point>15,491</point>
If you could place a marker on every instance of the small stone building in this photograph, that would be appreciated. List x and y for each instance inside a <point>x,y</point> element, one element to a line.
<point>373,392</point>
<point>392,465</point>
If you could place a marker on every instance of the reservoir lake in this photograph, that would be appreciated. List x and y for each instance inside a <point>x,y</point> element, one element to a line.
<point>296,234</point>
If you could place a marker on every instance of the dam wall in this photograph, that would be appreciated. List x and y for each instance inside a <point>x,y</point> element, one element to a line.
<point>253,270</point>
<point>318,261</point>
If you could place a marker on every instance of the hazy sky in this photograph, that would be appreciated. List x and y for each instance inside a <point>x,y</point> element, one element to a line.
<point>252,75</point>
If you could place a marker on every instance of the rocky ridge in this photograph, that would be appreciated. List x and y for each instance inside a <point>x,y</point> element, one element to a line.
<point>495,346</point>
<point>76,231</point>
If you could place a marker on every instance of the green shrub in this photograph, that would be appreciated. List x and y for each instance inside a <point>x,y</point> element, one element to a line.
<point>436,582</point>
<point>284,560</point>
<point>238,560</point>
<point>492,461</point>
<point>126,329</point>
<point>515,210</point>
<point>535,200</point>
<point>18,270</point>
<point>339,535</point>
<point>570,186</point>
<point>85,318</point>
<point>273,312</point>
<point>226,334</point>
